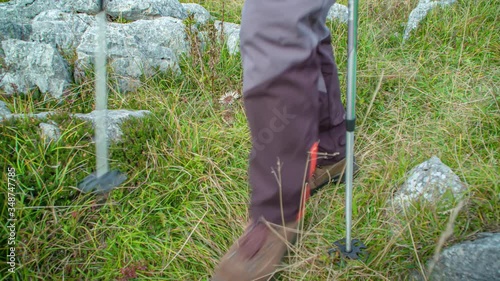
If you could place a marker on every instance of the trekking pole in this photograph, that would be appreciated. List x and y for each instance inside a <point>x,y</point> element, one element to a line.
<point>347,247</point>
<point>101,102</point>
<point>103,180</point>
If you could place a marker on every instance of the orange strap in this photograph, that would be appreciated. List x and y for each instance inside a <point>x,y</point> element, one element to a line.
<point>312,167</point>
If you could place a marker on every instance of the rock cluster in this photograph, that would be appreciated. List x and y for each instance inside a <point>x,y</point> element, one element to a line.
<point>40,39</point>
<point>48,45</point>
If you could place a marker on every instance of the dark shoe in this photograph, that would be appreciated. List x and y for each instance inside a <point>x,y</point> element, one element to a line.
<point>324,175</point>
<point>257,253</point>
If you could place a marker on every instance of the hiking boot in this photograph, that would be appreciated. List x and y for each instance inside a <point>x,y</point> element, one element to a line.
<point>334,173</point>
<point>257,253</point>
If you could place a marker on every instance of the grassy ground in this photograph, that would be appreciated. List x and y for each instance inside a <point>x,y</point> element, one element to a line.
<point>185,200</point>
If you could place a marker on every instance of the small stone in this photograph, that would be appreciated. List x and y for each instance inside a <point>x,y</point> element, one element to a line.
<point>4,111</point>
<point>40,115</point>
<point>231,32</point>
<point>428,181</point>
<point>50,132</point>
<point>114,120</point>
<point>338,12</point>
<point>420,12</point>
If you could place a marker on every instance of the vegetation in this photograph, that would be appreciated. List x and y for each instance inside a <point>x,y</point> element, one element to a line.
<point>185,200</point>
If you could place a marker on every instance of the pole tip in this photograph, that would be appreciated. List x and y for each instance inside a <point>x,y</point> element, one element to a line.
<point>358,250</point>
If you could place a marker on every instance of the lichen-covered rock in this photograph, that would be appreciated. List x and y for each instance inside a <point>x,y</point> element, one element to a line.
<point>428,181</point>
<point>338,12</point>
<point>419,13</point>
<point>11,29</point>
<point>200,14</point>
<point>145,9</point>
<point>231,33</point>
<point>136,49</point>
<point>31,64</point>
<point>90,7</point>
<point>19,10</point>
<point>60,29</point>
<point>114,120</point>
<point>477,260</point>
<point>165,32</point>
<point>40,115</point>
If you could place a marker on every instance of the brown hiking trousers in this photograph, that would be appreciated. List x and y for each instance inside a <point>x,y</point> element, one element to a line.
<point>292,100</point>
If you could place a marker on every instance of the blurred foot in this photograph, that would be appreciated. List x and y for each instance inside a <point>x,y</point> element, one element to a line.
<point>257,253</point>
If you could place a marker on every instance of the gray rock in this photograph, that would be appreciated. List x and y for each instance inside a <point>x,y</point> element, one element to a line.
<point>231,33</point>
<point>146,9</point>
<point>31,64</point>
<point>50,132</point>
<point>90,7</point>
<point>114,119</point>
<point>136,49</point>
<point>477,260</point>
<point>200,14</point>
<point>60,29</point>
<point>428,181</point>
<point>4,111</point>
<point>19,10</point>
<point>11,29</point>
<point>419,13</point>
<point>338,12</point>
<point>41,115</point>
<point>165,32</point>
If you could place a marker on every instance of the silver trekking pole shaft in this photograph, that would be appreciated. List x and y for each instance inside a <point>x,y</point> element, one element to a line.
<point>101,136</point>
<point>352,35</point>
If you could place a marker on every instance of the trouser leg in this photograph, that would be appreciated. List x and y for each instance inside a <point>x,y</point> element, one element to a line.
<point>280,48</point>
<point>332,128</point>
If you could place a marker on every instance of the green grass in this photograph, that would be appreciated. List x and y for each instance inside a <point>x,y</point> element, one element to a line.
<point>229,11</point>
<point>185,200</point>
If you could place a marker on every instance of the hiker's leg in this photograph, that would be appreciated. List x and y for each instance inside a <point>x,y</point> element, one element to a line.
<point>281,70</point>
<point>332,128</point>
